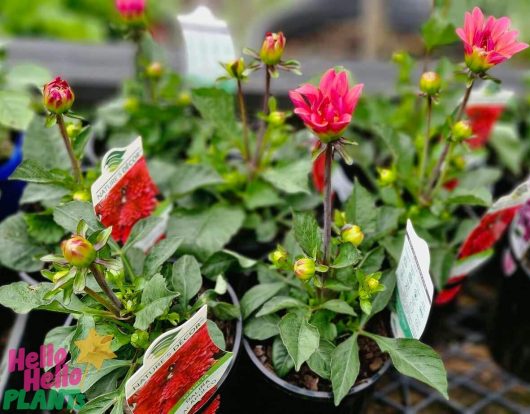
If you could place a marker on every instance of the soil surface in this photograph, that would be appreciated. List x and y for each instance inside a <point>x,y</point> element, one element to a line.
<point>371,357</point>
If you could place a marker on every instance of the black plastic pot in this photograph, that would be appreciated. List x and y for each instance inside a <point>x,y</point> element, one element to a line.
<point>509,331</point>
<point>268,394</point>
<point>11,191</point>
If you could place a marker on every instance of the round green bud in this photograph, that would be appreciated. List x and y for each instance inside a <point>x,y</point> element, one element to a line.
<point>461,131</point>
<point>430,83</point>
<point>304,268</point>
<point>352,234</point>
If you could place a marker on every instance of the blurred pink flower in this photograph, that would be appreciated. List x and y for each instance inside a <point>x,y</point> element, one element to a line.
<point>327,110</point>
<point>131,9</point>
<point>487,42</point>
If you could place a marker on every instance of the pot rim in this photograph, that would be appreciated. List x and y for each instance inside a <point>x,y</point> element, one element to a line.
<point>304,392</point>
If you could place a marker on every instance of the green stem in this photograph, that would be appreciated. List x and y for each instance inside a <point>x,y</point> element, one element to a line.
<point>425,153</point>
<point>261,135</point>
<point>244,121</point>
<point>68,144</point>
<point>100,299</point>
<point>441,165</point>
<point>100,279</point>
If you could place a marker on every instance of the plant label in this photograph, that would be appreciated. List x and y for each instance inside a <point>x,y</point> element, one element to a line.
<point>125,192</point>
<point>180,370</point>
<point>208,43</point>
<point>414,287</point>
<point>478,246</point>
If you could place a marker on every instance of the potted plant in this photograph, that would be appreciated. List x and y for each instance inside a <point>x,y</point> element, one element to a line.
<point>314,326</point>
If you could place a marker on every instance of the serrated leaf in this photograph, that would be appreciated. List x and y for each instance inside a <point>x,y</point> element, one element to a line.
<point>281,360</point>
<point>320,361</point>
<point>307,233</point>
<point>186,278</point>
<point>345,366</point>
<point>18,251</point>
<point>43,229</point>
<point>299,337</point>
<point>141,230</point>
<point>159,254</point>
<point>348,255</point>
<point>338,306</point>
<point>156,299</point>
<point>279,303</point>
<point>360,209</point>
<point>257,296</point>
<point>68,216</point>
<point>291,178</point>
<point>33,171</point>
<point>217,107</point>
<point>262,328</point>
<point>416,360</point>
<point>15,111</point>
<point>472,197</point>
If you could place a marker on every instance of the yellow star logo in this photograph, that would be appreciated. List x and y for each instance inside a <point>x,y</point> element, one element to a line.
<point>95,349</point>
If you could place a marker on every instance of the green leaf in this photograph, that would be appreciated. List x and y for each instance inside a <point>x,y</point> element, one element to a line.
<point>18,251</point>
<point>510,149</point>
<point>22,298</point>
<point>344,368</point>
<point>43,229</point>
<point>262,328</point>
<point>438,31</point>
<point>39,137</point>
<point>281,360</point>
<point>217,107</point>
<point>360,209</point>
<point>27,74</point>
<point>70,214</point>
<point>80,141</point>
<point>189,177</point>
<point>159,254</point>
<point>39,193</point>
<point>15,111</point>
<point>320,361</point>
<point>348,255</point>
<point>141,230</point>
<point>260,194</point>
<point>416,360</point>
<point>101,403</point>
<point>299,337</point>
<point>257,296</point>
<point>322,319</point>
<point>216,334</point>
<point>60,337</point>
<point>279,303</point>
<point>473,197</point>
<point>206,232</point>
<point>33,171</point>
<point>291,178</point>
<point>92,376</point>
<point>307,233</point>
<point>186,278</point>
<point>338,306</point>
<point>156,299</point>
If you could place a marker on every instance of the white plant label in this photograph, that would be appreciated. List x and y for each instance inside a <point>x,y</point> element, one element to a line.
<point>179,368</point>
<point>414,287</point>
<point>208,43</point>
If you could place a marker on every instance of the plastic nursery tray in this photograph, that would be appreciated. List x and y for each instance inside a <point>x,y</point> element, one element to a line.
<point>477,385</point>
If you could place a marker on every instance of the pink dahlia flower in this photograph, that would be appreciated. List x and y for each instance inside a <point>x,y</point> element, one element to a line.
<point>131,9</point>
<point>328,109</point>
<point>487,41</point>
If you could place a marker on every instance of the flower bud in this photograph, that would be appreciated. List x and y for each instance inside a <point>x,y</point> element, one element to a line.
<point>58,96</point>
<point>430,83</point>
<point>278,256</point>
<point>131,105</point>
<point>73,129</point>
<point>184,98</point>
<point>387,176</point>
<point>277,118</point>
<point>461,131</point>
<point>140,339</point>
<point>131,10</point>
<point>272,48</point>
<point>372,283</point>
<point>78,251</point>
<point>352,234</point>
<point>236,69</point>
<point>304,268</point>
<point>82,195</point>
<point>339,218</point>
<point>154,71</point>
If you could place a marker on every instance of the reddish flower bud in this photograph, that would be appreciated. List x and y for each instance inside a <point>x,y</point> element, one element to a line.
<point>155,70</point>
<point>272,48</point>
<point>131,9</point>
<point>58,96</point>
<point>78,251</point>
<point>304,268</point>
